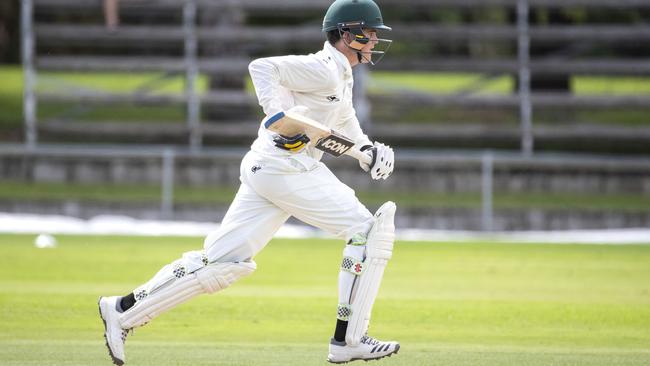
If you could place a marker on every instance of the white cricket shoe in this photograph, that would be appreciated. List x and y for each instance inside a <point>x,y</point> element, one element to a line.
<point>368,349</point>
<point>113,333</point>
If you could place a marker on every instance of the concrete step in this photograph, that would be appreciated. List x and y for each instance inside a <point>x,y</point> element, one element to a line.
<point>416,169</point>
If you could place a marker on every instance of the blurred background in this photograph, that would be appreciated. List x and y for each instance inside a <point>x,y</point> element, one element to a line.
<point>504,114</point>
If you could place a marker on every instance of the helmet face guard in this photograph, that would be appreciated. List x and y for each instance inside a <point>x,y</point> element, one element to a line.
<point>360,40</point>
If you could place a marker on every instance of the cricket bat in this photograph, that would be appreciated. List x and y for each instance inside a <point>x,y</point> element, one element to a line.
<point>325,139</point>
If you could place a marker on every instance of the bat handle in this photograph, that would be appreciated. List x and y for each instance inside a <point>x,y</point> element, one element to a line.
<point>359,155</point>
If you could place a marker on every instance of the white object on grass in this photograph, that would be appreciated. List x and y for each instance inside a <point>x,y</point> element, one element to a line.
<point>45,241</point>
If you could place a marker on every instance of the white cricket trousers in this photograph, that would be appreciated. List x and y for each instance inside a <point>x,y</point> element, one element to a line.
<point>273,189</point>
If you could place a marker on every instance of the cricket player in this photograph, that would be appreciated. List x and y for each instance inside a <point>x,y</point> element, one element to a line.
<point>282,176</point>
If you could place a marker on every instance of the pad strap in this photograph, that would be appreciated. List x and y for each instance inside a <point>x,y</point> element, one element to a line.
<point>352,265</point>
<point>343,312</point>
<point>358,239</point>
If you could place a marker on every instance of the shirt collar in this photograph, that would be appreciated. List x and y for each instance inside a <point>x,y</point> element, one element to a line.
<point>339,58</point>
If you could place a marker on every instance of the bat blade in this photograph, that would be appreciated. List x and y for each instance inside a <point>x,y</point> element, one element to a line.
<point>326,139</point>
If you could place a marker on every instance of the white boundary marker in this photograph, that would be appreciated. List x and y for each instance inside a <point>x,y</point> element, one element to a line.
<point>123,225</point>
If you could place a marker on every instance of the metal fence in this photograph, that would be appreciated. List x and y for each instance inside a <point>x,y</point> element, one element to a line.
<point>483,165</point>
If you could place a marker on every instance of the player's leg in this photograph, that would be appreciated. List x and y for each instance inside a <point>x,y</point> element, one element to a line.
<point>318,198</point>
<point>351,341</point>
<point>248,225</point>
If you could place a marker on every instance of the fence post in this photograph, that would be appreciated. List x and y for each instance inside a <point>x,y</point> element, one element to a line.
<point>523,55</point>
<point>486,191</point>
<point>360,96</point>
<point>29,73</point>
<point>167,184</point>
<point>191,75</point>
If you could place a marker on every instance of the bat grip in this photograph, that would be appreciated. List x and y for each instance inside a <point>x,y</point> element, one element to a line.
<point>359,155</point>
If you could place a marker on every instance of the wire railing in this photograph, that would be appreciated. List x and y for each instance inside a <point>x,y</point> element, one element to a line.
<point>489,166</point>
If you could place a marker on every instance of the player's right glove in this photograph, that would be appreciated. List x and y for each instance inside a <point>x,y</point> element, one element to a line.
<point>293,144</point>
<point>383,160</point>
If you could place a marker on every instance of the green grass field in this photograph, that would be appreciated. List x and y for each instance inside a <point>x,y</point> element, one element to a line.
<point>448,304</point>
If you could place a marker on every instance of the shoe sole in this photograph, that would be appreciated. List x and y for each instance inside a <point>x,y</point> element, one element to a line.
<point>116,360</point>
<point>366,359</point>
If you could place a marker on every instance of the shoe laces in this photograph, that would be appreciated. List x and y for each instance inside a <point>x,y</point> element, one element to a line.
<point>369,340</point>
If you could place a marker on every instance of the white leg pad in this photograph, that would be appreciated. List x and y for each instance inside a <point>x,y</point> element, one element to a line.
<point>379,249</point>
<point>175,284</point>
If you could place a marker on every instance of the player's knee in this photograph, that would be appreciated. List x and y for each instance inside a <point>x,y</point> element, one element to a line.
<point>191,262</point>
<point>211,275</point>
<point>357,234</point>
<point>382,234</point>
<point>218,276</point>
<point>221,246</point>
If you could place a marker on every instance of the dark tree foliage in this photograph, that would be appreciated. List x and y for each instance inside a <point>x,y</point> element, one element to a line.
<point>9,31</point>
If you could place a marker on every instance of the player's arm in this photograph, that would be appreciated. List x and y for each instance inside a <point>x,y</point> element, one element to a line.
<point>383,157</point>
<point>271,75</point>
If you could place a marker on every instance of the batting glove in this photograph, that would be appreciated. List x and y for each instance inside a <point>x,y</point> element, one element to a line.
<point>293,144</point>
<point>383,160</point>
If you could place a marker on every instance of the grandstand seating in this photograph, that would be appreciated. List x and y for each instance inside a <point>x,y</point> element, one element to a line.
<point>70,35</point>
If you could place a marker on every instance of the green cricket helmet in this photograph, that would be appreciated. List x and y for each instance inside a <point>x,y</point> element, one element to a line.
<point>345,11</point>
<point>353,16</point>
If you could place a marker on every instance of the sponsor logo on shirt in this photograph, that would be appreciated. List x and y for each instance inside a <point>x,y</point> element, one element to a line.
<point>333,98</point>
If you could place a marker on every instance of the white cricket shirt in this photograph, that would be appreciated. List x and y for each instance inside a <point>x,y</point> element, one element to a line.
<point>321,81</point>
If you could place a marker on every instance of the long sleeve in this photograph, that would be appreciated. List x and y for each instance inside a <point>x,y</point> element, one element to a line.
<point>273,76</point>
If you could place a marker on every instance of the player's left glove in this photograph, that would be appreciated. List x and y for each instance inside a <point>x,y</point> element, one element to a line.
<point>293,144</point>
<point>383,160</point>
